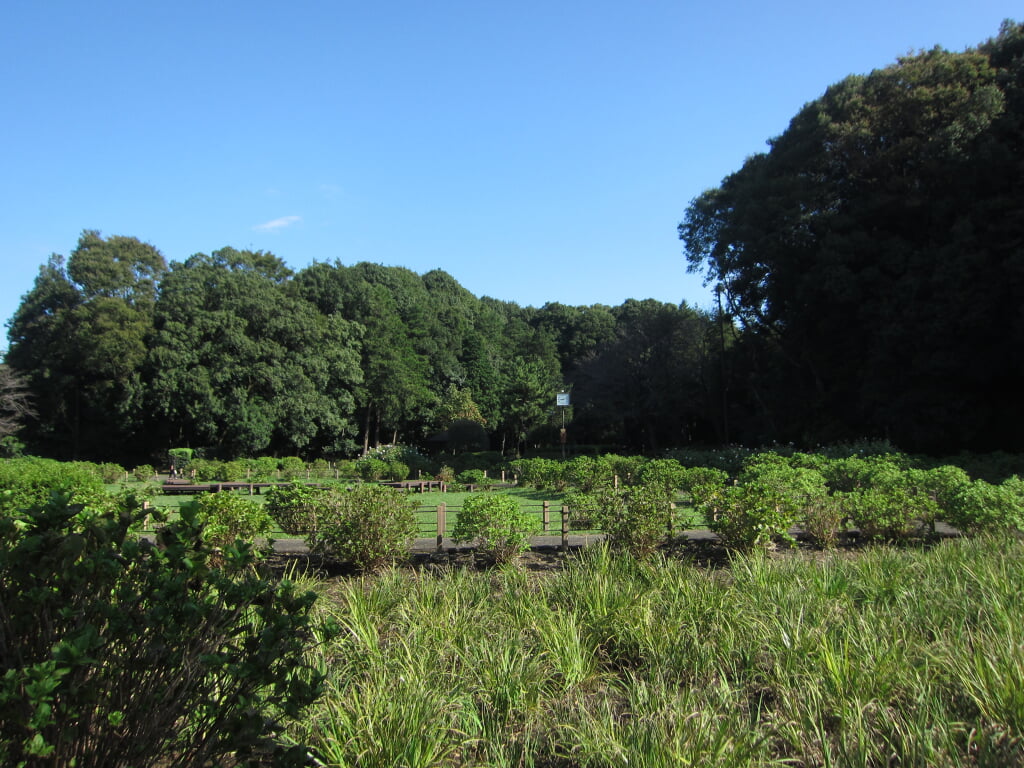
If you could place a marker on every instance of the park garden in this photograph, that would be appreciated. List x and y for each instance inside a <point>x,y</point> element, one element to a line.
<point>507,576</point>
<point>847,607</point>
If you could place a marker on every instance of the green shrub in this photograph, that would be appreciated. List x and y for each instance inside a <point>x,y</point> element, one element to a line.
<point>371,469</point>
<point>397,471</point>
<point>236,471</point>
<point>264,469</point>
<point>112,473</point>
<point>498,525</point>
<point>983,506</point>
<point>446,474</point>
<point>144,473</point>
<point>768,500</point>
<point>888,503</point>
<point>321,468</point>
<point>588,473</point>
<point>667,475</point>
<point>695,476</point>
<point>636,519</point>
<point>292,468</point>
<point>227,517</point>
<point>473,477</point>
<point>370,526</point>
<point>294,507</point>
<point>30,481</point>
<point>206,470</point>
<point>119,652</point>
<point>542,474</point>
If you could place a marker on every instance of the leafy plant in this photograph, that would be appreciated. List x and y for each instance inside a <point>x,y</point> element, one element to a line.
<point>227,518</point>
<point>112,473</point>
<point>982,506</point>
<point>116,651</point>
<point>294,507</point>
<point>370,468</point>
<point>770,497</point>
<point>498,525</point>
<point>369,526</point>
<point>635,519</point>
<point>292,468</point>
<point>144,473</point>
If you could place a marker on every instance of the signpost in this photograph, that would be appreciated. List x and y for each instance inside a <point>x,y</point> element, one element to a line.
<point>562,401</point>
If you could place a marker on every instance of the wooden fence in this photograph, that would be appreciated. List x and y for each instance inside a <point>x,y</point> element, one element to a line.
<point>555,520</point>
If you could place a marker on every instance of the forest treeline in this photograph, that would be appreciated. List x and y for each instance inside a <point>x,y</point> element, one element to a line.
<point>126,355</point>
<point>869,269</point>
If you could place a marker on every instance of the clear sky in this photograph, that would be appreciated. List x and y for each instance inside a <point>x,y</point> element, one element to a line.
<point>536,151</point>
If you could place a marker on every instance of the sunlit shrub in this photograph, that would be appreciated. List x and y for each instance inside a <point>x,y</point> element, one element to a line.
<point>369,526</point>
<point>497,524</point>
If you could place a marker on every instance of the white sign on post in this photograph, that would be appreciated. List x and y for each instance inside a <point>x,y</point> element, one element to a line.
<point>562,398</point>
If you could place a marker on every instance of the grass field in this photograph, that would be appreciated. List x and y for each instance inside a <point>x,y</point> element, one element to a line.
<point>878,658</point>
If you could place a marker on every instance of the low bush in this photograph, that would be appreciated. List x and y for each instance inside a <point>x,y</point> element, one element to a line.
<point>227,518</point>
<point>144,473</point>
<point>475,477</point>
<point>292,468</point>
<point>542,474</point>
<point>119,652</point>
<point>370,468</point>
<point>30,481</point>
<point>498,525</point>
<point>206,470</point>
<point>112,473</point>
<point>368,527</point>
<point>397,471</point>
<point>983,506</point>
<point>768,500</point>
<point>294,507</point>
<point>637,519</point>
<point>588,473</point>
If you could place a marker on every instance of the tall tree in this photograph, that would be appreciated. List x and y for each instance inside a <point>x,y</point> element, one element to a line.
<point>873,254</point>
<point>242,365</point>
<point>80,336</point>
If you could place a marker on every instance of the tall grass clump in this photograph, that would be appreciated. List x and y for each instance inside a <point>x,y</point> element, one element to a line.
<point>890,657</point>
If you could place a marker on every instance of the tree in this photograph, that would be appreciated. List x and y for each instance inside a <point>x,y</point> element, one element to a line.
<point>80,337</point>
<point>241,364</point>
<point>872,256</point>
<point>15,401</point>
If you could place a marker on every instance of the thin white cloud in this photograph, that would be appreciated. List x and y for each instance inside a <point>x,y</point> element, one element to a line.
<point>281,223</point>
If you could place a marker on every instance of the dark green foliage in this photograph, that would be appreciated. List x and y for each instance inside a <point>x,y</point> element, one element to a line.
<point>588,473</point>
<point>872,259</point>
<point>144,473</point>
<point>475,477</point>
<point>542,474</point>
<point>112,473</point>
<point>497,524</point>
<point>118,651</point>
<point>368,527</point>
<point>982,506</point>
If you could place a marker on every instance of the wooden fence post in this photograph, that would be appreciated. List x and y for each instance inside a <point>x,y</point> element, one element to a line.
<point>441,521</point>
<point>546,516</point>
<point>565,528</point>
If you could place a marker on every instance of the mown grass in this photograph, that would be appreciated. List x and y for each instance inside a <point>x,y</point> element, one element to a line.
<point>878,658</point>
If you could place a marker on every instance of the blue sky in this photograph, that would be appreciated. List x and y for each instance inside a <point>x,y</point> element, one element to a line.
<point>536,151</point>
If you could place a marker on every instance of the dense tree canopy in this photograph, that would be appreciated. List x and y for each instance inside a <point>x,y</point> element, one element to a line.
<point>233,352</point>
<point>874,256</point>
